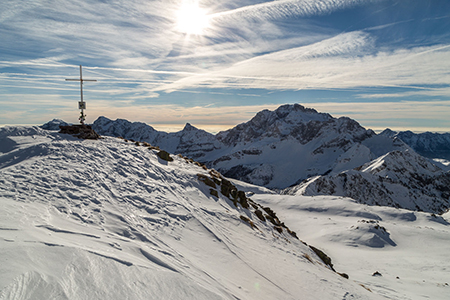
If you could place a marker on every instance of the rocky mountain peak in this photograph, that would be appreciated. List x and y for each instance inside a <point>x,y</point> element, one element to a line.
<point>189,127</point>
<point>388,132</point>
<point>288,120</point>
<point>289,113</point>
<point>287,109</point>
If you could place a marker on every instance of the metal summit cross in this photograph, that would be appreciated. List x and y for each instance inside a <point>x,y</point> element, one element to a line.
<point>81,104</point>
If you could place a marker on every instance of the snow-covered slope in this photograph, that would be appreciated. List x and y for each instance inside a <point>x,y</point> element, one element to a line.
<point>428,144</point>
<point>275,149</point>
<point>401,179</point>
<point>110,219</point>
<point>396,253</point>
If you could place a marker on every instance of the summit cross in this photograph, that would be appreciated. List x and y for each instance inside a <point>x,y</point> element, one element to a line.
<point>81,104</point>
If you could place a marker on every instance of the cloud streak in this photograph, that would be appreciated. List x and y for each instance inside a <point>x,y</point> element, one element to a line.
<point>288,8</point>
<point>253,47</point>
<point>346,61</point>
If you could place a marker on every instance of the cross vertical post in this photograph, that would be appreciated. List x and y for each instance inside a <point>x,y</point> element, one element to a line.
<point>81,104</point>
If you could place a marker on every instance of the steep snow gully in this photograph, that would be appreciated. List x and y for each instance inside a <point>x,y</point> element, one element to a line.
<point>109,219</point>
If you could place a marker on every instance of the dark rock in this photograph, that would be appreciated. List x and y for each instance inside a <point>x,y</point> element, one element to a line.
<point>325,258</point>
<point>80,131</point>
<point>206,180</point>
<point>260,215</point>
<point>164,155</point>
<point>214,193</point>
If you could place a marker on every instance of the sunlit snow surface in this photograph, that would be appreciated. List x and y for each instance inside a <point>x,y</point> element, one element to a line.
<point>409,249</point>
<point>108,219</point>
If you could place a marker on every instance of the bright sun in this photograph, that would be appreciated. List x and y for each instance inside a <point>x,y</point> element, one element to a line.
<point>191,18</point>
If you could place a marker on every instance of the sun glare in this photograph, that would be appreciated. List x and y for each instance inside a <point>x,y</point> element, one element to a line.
<point>191,18</point>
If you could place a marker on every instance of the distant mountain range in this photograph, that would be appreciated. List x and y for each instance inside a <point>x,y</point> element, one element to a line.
<point>275,149</point>
<point>428,144</point>
<point>307,152</point>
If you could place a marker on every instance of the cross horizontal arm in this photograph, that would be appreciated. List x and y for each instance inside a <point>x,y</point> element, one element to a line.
<point>81,80</point>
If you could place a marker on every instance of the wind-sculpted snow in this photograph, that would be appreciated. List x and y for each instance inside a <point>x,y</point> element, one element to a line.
<point>109,219</point>
<point>401,179</point>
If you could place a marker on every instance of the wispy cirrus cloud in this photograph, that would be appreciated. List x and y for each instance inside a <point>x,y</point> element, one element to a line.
<point>346,61</point>
<point>288,8</point>
<point>252,47</point>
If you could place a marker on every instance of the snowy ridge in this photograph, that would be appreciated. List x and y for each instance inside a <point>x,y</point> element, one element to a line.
<point>190,141</point>
<point>401,179</point>
<point>109,219</point>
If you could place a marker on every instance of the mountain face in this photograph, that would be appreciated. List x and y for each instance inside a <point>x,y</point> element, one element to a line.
<point>54,124</point>
<point>278,148</point>
<point>401,179</point>
<point>113,219</point>
<point>288,121</point>
<point>428,144</point>
<point>275,149</point>
<point>190,141</point>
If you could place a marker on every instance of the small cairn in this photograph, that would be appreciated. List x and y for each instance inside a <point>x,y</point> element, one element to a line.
<point>80,131</point>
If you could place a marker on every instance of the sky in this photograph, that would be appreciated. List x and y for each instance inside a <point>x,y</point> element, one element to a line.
<point>215,64</point>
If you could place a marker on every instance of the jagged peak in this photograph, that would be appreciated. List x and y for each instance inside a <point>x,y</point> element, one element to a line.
<point>388,132</point>
<point>288,108</point>
<point>189,127</point>
<point>290,113</point>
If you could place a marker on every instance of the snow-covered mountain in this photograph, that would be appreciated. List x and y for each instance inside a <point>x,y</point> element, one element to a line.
<point>428,144</point>
<point>115,219</point>
<point>54,124</point>
<point>401,179</point>
<point>111,219</point>
<point>190,141</point>
<point>275,149</point>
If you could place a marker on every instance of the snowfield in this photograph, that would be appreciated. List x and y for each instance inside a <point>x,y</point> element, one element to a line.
<point>409,249</point>
<point>109,219</point>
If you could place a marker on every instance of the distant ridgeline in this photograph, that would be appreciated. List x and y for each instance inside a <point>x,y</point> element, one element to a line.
<point>293,144</point>
<point>428,144</point>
